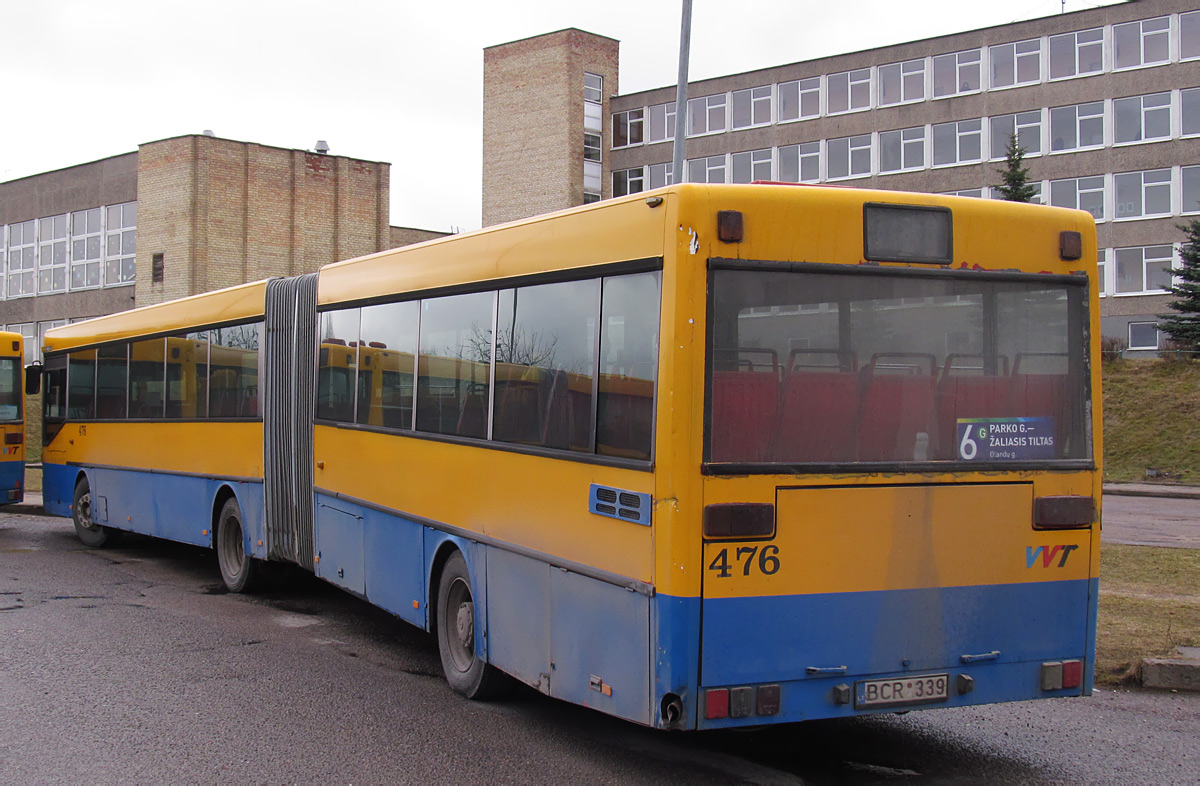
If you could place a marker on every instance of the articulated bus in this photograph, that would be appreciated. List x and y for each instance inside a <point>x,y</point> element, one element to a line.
<point>708,456</point>
<point>12,418</point>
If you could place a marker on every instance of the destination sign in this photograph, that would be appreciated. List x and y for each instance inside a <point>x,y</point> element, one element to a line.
<point>1005,439</point>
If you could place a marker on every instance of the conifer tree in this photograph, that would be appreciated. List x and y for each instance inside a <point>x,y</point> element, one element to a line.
<point>1016,186</point>
<point>1184,326</point>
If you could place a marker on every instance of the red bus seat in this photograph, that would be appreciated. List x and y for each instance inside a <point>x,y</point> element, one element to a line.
<point>897,406</point>
<point>966,391</point>
<point>744,409</point>
<point>816,419</point>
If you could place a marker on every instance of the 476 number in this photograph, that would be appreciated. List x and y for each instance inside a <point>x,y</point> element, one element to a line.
<point>767,561</point>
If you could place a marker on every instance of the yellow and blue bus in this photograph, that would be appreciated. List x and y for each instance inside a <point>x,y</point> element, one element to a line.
<point>12,418</point>
<point>703,457</point>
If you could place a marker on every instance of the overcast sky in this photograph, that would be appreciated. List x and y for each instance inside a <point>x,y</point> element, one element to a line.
<point>384,80</point>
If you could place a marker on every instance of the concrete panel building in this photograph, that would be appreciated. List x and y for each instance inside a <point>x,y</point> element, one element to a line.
<point>1105,102</point>
<point>179,217</point>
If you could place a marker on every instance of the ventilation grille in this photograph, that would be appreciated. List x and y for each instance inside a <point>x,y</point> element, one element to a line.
<point>620,504</point>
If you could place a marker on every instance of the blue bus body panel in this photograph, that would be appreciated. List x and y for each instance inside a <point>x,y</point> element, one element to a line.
<point>777,640</point>
<point>170,506</point>
<point>12,476</point>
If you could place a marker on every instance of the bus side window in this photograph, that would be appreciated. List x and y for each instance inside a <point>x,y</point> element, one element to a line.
<point>628,365</point>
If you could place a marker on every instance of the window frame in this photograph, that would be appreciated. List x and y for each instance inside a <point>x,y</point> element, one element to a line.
<point>906,146</point>
<point>623,125</point>
<point>1144,113</point>
<point>959,65</point>
<point>806,87</point>
<point>904,78</point>
<point>757,98</point>
<point>856,82</point>
<point>1076,51</point>
<point>1143,40</point>
<point>854,144</point>
<point>960,136</point>
<point>1078,121</point>
<point>1129,336</point>
<point>1034,53</point>
<point>712,103</point>
<point>1144,192</point>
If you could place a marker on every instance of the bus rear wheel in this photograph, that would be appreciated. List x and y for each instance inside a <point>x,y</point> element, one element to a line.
<point>466,672</point>
<point>88,531</point>
<point>239,570</point>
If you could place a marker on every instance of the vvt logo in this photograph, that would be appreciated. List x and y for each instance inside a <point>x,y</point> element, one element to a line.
<point>1047,553</point>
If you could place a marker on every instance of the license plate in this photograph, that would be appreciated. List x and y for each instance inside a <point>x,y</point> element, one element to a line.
<point>902,691</point>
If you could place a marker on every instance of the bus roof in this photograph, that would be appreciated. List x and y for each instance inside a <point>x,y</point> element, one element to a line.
<point>633,228</point>
<point>234,304</point>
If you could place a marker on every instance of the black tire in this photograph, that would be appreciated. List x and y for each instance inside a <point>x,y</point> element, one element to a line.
<point>466,672</point>
<point>89,532</point>
<point>239,570</point>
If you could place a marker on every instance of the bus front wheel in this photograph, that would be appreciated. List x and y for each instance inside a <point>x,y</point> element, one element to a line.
<point>466,672</point>
<point>89,532</point>
<point>239,570</point>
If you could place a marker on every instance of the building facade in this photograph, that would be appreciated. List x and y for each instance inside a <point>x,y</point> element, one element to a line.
<point>1105,103</point>
<point>179,217</point>
<point>545,103</point>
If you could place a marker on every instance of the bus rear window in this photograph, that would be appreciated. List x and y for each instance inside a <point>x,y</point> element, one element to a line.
<point>884,366</point>
<point>10,389</point>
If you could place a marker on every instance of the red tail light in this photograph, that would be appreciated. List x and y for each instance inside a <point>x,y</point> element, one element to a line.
<point>1065,512</point>
<point>716,703</point>
<point>1072,673</point>
<point>739,520</point>
<point>13,438</point>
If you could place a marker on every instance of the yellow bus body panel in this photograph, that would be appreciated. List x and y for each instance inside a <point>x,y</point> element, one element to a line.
<point>210,448</point>
<point>531,501</point>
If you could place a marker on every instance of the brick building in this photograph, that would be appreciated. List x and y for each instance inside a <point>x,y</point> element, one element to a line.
<point>1105,101</point>
<point>179,217</point>
<point>544,104</point>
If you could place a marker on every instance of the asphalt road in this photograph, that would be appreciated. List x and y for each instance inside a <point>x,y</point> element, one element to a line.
<point>131,664</point>
<point>1151,521</point>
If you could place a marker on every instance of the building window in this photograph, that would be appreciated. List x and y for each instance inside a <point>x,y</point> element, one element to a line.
<point>1191,189</point>
<point>28,331</point>
<point>849,91</point>
<point>900,83</point>
<point>121,244</point>
<point>800,100</point>
<point>1080,193</point>
<point>1076,54</point>
<point>706,170</point>
<point>22,255</point>
<point>903,149</point>
<point>1142,118</point>
<point>1189,35</point>
<point>706,115</point>
<point>591,147</point>
<point>1019,63</point>
<point>628,181</point>
<point>593,88</point>
<point>1141,43</point>
<point>1189,101</point>
<point>52,254</point>
<point>1143,269</point>
<point>975,193</point>
<point>1143,335</point>
<point>956,73</point>
<point>1027,125</point>
<point>591,196</point>
<point>752,107</point>
<point>659,175</point>
<point>752,165</point>
<point>86,245</point>
<point>1075,127</point>
<point>158,268</point>
<point>849,156</point>
<point>662,122</point>
<point>627,128</point>
<point>800,163</point>
<point>3,256</point>
<point>591,177</point>
<point>1101,268</point>
<point>957,143</point>
<point>1143,194</point>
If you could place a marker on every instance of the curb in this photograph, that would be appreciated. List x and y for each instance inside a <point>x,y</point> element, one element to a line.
<point>1147,490</point>
<point>1178,673</point>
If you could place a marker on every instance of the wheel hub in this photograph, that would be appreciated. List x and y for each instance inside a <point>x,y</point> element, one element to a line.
<point>465,624</point>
